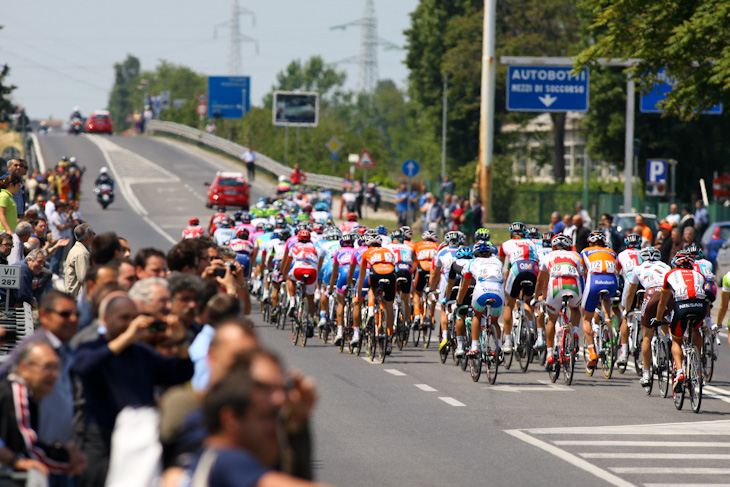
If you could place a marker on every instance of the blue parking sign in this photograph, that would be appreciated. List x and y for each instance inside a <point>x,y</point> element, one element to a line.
<point>656,171</point>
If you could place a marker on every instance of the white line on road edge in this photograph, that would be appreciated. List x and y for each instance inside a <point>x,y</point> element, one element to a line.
<point>127,192</point>
<point>718,390</point>
<point>672,471</point>
<point>452,402</point>
<point>685,485</point>
<point>660,455</point>
<point>367,359</point>
<point>667,444</point>
<point>425,387</point>
<point>397,373</point>
<point>572,459</point>
<point>38,153</point>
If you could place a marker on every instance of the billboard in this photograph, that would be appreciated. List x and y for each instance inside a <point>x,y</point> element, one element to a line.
<point>295,109</point>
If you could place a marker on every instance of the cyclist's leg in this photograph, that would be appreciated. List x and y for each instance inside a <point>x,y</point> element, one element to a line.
<point>676,329</point>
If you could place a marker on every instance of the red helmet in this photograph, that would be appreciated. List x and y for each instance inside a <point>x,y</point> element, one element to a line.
<point>361,229</point>
<point>304,236</point>
<point>243,234</point>
<point>194,221</point>
<point>352,217</point>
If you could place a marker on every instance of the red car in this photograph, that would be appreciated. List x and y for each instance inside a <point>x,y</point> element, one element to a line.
<point>99,122</point>
<point>228,189</point>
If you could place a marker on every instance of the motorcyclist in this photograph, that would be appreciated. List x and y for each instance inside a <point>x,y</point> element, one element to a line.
<point>76,113</point>
<point>104,178</point>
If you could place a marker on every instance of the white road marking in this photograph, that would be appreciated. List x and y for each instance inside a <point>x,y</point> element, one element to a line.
<point>425,387</point>
<point>547,387</point>
<point>667,444</point>
<point>672,470</point>
<point>685,485</point>
<point>660,455</point>
<point>570,458</point>
<point>367,359</point>
<point>700,428</point>
<point>452,402</point>
<point>397,373</point>
<point>717,390</point>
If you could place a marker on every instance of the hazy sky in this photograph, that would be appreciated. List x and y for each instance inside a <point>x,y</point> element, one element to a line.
<point>61,53</point>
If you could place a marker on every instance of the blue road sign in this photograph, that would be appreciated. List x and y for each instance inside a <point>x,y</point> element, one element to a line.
<point>229,96</point>
<point>656,171</point>
<point>410,168</point>
<point>649,101</point>
<point>547,89</point>
<point>334,156</point>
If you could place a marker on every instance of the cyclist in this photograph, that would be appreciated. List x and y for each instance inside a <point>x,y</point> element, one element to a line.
<point>649,275</point>
<point>407,236</point>
<point>384,238</point>
<point>194,229</point>
<point>544,249</point>
<point>304,259</point>
<point>338,280</point>
<point>243,247</point>
<point>600,274</point>
<point>521,256</point>
<point>350,223</point>
<point>224,232</point>
<point>216,218</point>
<point>381,263</point>
<point>704,267</point>
<point>560,275</point>
<point>321,213</point>
<point>687,286</point>
<point>327,249</point>
<point>275,251</point>
<point>260,239</point>
<point>463,258</point>
<point>486,269</point>
<point>627,260</point>
<point>482,235</point>
<point>404,268</point>
<point>353,275</point>
<point>534,234</point>
<point>439,274</point>
<point>423,253</point>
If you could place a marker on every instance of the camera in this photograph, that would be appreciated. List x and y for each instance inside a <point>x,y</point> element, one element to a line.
<point>157,326</point>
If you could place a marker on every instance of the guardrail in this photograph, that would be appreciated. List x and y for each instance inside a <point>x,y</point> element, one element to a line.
<point>263,162</point>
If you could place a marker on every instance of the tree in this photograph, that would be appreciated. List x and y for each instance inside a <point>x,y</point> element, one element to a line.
<point>124,92</point>
<point>6,106</point>
<point>313,75</point>
<point>689,39</point>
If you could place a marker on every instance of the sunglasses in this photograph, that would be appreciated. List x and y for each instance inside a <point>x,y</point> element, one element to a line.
<point>66,314</point>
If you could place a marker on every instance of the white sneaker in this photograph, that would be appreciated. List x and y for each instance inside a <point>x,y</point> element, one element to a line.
<point>507,347</point>
<point>623,357</point>
<point>540,343</point>
<point>459,352</point>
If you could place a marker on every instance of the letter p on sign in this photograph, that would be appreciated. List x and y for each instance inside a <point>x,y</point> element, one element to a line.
<point>656,171</point>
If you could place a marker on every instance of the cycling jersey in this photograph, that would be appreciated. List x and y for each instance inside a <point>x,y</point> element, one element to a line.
<point>347,227</point>
<point>704,267</point>
<point>649,274</point>
<point>688,288</point>
<point>327,251</point>
<point>600,264</point>
<point>726,283</point>
<point>424,252</point>
<point>344,257</point>
<point>243,249</point>
<point>216,219</point>
<point>223,235</point>
<point>260,244</point>
<point>487,271</point>
<point>304,264</point>
<point>627,260</point>
<point>565,269</point>
<point>521,256</point>
<point>381,260</point>
<point>518,250</point>
<point>357,260</point>
<point>275,248</point>
<point>193,231</point>
<point>321,216</point>
<point>443,260</point>
<point>403,255</point>
<point>599,260</point>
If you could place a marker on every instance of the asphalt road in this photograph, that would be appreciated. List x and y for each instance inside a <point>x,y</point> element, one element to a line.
<point>412,420</point>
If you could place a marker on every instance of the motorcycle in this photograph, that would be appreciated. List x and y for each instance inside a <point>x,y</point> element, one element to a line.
<point>350,200</point>
<point>372,196</point>
<point>77,126</point>
<point>104,195</point>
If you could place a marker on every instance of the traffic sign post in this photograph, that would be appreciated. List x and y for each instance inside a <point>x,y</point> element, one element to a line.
<point>649,102</point>
<point>410,169</point>
<point>9,279</point>
<point>547,89</point>
<point>228,96</point>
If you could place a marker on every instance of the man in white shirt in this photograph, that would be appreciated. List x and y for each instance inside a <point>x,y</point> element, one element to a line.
<point>60,224</point>
<point>249,157</point>
<point>673,217</point>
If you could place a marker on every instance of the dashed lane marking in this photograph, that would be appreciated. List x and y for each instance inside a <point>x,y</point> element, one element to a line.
<point>425,387</point>
<point>452,402</point>
<point>395,372</point>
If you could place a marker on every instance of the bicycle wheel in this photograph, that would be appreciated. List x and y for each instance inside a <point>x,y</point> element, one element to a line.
<point>293,324</point>
<point>475,366</point>
<point>569,356</point>
<point>663,368</point>
<point>638,358</point>
<point>508,356</point>
<point>463,362</point>
<point>491,353</point>
<point>586,358</point>
<point>371,342</point>
<point>427,330</point>
<point>607,357</point>
<point>524,351</point>
<point>266,310</point>
<point>694,379</point>
<point>400,332</point>
<point>417,334</point>
<point>443,352</point>
<point>678,396</point>
<point>708,352</point>
<point>554,372</point>
<point>304,328</point>
<point>383,337</point>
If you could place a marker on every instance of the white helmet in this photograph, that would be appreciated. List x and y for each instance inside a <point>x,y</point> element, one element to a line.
<point>76,109</point>
<point>282,178</point>
<point>103,170</point>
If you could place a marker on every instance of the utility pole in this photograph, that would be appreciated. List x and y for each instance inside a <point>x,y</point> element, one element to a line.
<point>444,118</point>
<point>235,63</point>
<point>486,120</point>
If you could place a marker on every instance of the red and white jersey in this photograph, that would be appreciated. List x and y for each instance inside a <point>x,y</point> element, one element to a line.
<point>216,219</point>
<point>347,227</point>
<point>649,274</point>
<point>304,253</point>
<point>518,250</point>
<point>193,231</point>
<point>627,260</point>
<point>685,284</point>
<point>562,263</point>
<point>403,253</point>
<point>290,242</point>
<point>241,246</point>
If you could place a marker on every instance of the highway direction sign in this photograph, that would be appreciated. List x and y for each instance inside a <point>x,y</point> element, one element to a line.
<point>410,168</point>
<point>547,89</point>
<point>650,100</point>
<point>228,96</point>
<point>366,161</point>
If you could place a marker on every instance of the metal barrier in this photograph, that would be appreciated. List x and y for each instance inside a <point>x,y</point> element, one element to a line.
<point>263,162</point>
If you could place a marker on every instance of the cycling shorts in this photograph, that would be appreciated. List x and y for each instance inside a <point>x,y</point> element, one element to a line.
<point>594,284</point>
<point>306,273</point>
<point>467,299</point>
<point>388,281</point>
<point>442,288</point>
<point>342,282</point>
<point>687,312</point>
<point>649,306</point>
<point>558,287</point>
<point>485,290</point>
<point>245,261</point>
<point>422,277</point>
<point>406,286</point>
<point>325,273</point>
<point>710,291</point>
<point>513,285</point>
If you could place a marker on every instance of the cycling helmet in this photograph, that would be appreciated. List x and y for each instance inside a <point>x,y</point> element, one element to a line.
<point>246,217</point>
<point>284,234</point>
<point>429,236</point>
<point>243,234</point>
<point>382,230</point>
<point>407,232</point>
<point>321,206</point>
<point>695,251</point>
<point>279,221</point>
<point>259,227</point>
<point>303,217</point>
<point>304,236</point>
<point>397,235</point>
<point>225,223</point>
<point>352,217</point>
<point>632,241</point>
<point>268,227</point>
<point>650,254</point>
<point>333,234</point>
<point>360,230</point>
<point>518,228</point>
<point>464,253</point>
<point>194,221</point>
<point>454,238</point>
<point>348,240</point>
<point>683,260</point>
<point>306,207</point>
<point>371,231</point>
<point>533,233</point>
<point>483,247</point>
<point>561,241</point>
<point>237,215</point>
<point>373,241</point>
<point>547,237</point>
<point>318,228</point>
<point>103,170</point>
<point>596,239</point>
<point>482,234</point>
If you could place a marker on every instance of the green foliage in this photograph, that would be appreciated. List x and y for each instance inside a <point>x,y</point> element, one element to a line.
<point>312,75</point>
<point>688,38</point>
<point>6,106</point>
<point>124,95</point>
